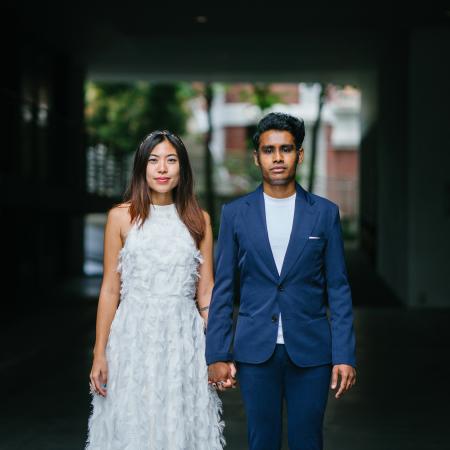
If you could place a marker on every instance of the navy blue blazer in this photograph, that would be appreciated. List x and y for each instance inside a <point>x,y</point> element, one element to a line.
<point>313,280</point>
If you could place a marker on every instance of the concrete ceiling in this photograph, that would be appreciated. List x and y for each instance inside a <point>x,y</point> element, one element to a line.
<point>138,40</point>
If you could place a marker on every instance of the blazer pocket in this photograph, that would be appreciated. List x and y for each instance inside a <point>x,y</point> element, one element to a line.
<point>316,243</point>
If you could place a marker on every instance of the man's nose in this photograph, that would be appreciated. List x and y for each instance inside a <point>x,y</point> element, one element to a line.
<point>277,156</point>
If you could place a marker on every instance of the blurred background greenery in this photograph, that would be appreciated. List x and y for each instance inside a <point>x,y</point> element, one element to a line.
<point>217,121</point>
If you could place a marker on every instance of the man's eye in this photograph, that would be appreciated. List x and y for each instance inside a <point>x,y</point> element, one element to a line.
<point>267,150</point>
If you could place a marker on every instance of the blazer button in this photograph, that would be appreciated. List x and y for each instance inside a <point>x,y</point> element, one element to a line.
<point>274,318</point>
<point>281,288</point>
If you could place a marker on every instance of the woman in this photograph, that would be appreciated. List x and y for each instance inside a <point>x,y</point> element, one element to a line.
<point>149,375</point>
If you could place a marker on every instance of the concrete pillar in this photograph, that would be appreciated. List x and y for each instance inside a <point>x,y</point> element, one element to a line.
<point>368,172</point>
<point>428,168</point>
<point>392,252</point>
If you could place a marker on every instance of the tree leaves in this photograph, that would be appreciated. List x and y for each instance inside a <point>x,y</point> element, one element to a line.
<point>119,115</point>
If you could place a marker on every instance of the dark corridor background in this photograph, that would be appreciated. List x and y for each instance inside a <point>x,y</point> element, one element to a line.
<point>399,270</point>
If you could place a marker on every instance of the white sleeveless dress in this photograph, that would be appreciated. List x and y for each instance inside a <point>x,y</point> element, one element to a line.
<point>158,397</point>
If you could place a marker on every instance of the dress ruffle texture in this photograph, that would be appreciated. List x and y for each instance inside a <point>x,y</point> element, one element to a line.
<point>158,397</point>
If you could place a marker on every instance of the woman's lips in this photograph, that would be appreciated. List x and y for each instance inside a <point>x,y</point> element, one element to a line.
<point>162,180</point>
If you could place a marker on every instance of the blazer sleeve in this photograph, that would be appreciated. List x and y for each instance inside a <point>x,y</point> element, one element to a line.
<point>339,296</point>
<point>220,317</point>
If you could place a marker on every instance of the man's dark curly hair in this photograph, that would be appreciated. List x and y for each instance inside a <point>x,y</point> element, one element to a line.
<point>281,122</point>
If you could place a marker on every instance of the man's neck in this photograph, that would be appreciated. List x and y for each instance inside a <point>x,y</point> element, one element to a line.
<point>279,191</point>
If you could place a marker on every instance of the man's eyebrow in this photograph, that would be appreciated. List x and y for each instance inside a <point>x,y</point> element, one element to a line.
<point>281,145</point>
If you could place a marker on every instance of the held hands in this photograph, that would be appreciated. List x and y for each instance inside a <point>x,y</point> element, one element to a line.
<point>222,375</point>
<point>99,376</point>
<point>348,378</point>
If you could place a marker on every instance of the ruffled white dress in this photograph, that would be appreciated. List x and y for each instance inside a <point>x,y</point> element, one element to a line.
<point>158,397</point>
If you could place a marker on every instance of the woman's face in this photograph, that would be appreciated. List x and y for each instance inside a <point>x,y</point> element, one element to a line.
<point>163,168</point>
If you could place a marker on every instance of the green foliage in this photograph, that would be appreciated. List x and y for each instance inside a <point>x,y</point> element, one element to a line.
<point>119,115</point>
<point>261,96</point>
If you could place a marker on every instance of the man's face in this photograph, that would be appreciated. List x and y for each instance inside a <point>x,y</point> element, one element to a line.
<point>277,157</point>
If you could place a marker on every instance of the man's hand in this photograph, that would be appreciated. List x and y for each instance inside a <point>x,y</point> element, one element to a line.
<point>222,375</point>
<point>348,378</point>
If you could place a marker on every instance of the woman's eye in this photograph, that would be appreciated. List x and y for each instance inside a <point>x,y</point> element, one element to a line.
<point>172,160</point>
<point>152,161</point>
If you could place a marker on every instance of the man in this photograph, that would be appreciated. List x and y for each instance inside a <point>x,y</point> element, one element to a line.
<point>286,244</point>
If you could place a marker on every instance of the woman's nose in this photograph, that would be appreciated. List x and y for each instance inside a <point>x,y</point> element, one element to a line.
<point>162,166</point>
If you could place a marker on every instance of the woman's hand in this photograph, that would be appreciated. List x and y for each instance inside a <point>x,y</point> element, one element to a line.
<point>230,382</point>
<point>99,375</point>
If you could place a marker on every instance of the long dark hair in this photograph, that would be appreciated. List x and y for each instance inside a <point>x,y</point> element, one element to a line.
<point>139,196</point>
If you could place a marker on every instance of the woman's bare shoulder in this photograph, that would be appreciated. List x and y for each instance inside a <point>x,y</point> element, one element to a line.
<point>120,220</point>
<point>120,214</point>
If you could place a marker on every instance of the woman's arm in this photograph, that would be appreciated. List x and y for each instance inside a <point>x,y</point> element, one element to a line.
<point>109,297</point>
<point>206,281</point>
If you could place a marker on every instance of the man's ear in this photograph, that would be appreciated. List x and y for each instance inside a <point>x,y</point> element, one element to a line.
<point>301,154</point>
<point>255,157</point>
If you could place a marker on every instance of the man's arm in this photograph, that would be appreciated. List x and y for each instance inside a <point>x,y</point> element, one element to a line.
<point>341,314</point>
<point>339,296</point>
<point>220,321</point>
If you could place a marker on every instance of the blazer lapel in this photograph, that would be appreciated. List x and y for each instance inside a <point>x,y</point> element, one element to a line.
<point>256,227</point>
<point>305,218</point>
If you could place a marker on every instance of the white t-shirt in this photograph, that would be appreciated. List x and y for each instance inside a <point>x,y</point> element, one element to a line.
<point>279,219</point>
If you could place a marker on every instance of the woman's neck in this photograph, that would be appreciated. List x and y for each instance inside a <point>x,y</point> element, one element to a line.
<point>162,198</point>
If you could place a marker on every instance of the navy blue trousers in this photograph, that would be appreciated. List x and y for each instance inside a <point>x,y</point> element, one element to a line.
<point>265,386</point>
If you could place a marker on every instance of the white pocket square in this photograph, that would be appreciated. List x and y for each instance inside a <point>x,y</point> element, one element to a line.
<point>314,237</point>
